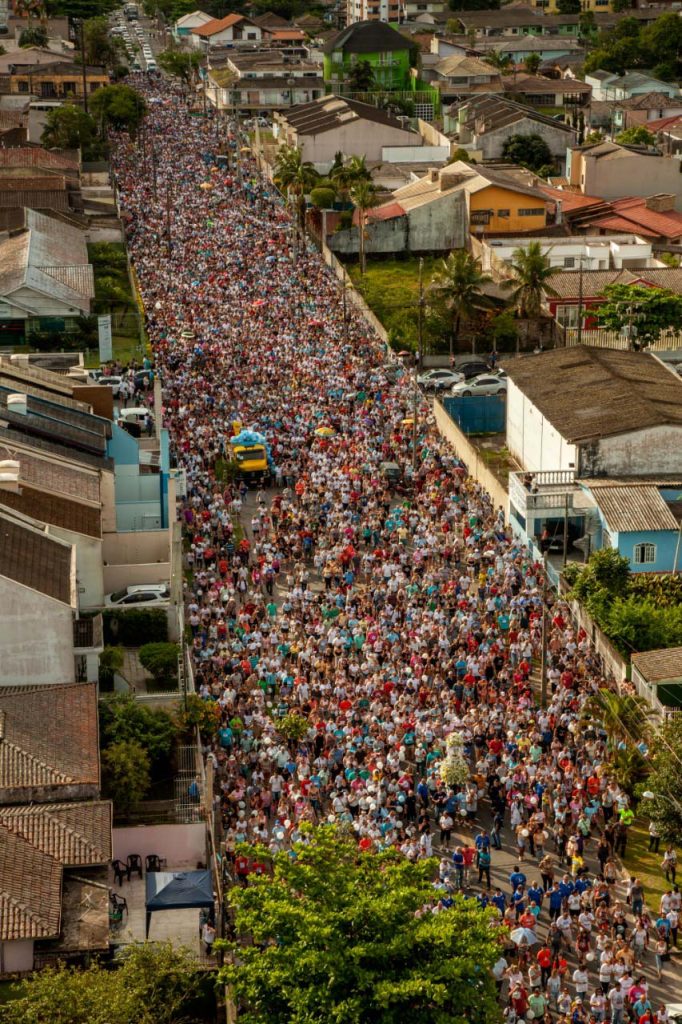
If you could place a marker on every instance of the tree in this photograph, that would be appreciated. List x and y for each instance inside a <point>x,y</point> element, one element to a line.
<point>199,713</point>
<point>641,312</point>
<point>125,775</point>
<point>662,39</point>
<point>338,934</point>
<point>101,48</point>
<point>296,177</point>
<point>638,135</point>
<point>364,197</point>
<point>69,127</point>
<point>625,717</point>
<point>35,35</point>
<point>110,662</point>
<point>618,6</point>
<point>501,61</point>
<point>474,5</point>
<point>77,9</point>
<point>530,285</point>
<point>569,6</point>
<point>532,63</point>
<point>593,137</point>
<point>179,64</point>
<point>119,106</point>
<point>161,659</point>
<point>587,25</point>
<point>123,718</point>
<point>361,77</point>
<point>527,150</point>
<point>155,984</point>
<point>459,285</point>
<point>665,780</point>
<point>323,197</point>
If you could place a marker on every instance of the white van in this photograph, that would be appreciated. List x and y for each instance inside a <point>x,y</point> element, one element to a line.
<point>151,65</point>
<point>136,414</point>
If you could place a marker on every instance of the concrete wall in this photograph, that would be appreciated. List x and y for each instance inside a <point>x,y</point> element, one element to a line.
<point>469,453</point>
<point>181,845</point>
<point>434,227</point>
<point>634,176</point>
<point>16,956</point>
<point>36,637</point>
<point>492,143</point>
<point>116,577</point>
<point>364,138</point>
<point>383,237</point>
<point>89,569</point>
<point>531,439</point>
<point>129,549</point>
<point>642,453</point>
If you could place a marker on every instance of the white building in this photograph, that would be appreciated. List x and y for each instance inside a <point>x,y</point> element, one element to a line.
<point>373,10</point>
<point>601,252</point>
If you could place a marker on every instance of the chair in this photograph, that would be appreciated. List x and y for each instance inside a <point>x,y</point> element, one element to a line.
<point>120,869</point>
<point>134,864</point>
<point>153,862</point>
<point>118,904</point>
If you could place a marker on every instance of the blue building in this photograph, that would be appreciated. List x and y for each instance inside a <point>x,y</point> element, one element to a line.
<point>639,521</point>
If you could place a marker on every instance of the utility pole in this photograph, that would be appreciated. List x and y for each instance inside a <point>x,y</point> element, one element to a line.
<point>420,342</point>
<point>420,320</point>
<point>565,529</point>
<point>345,314</point>
<point>580,302</point>
<point>83,66</point>
<point>238,138</point>
<point>543,678</point>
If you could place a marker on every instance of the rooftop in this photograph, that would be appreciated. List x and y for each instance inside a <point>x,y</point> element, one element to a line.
<point>32,559</point>
<point>567,283</point>
<point>533,85</point>
<point>75,834</point>
<point>367,37</point>
<point>48,740</point>
<point>216,25</point>
<point>54,509</point>
<point>331,112</point>
<point>588,393</point>
<point>659,666</point>
<point>631,509</point>
<point>30,890</point>
<point>489,112</point>
<point>457,65</point>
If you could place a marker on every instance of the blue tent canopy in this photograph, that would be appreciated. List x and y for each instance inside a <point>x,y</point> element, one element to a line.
<point>177,890</point>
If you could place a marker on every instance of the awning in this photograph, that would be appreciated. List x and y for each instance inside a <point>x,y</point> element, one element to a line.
<point>177,890</point>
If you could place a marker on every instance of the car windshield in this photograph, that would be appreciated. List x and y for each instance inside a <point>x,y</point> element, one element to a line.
<point>257,452</point>
<point>119,595</point>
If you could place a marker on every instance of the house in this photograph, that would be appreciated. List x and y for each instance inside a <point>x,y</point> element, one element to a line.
<point>374,42</point>
<point>20,58</point>
<point>612,171</point>
<point>650,217</point>
<point>437,212</point>
<point>372,10</point>
<point>264,81</point>
<point>657,676</point>
<point>45,276</point>
<point>637,519</point>
<point>416,8</point>
<point>592,253</point>
<point>548,48</point>
<point>483,124</point>
<point>457,77</point>
<point>572,293</point>
<point>335,124</point>
<point>184,26</point>
<point>55,832</point>
<point>590,415</point>
<point>549,94</point>
<point>60,80</point>
<point>644,109</point>
<point>608,86</point>
<point>13,128</point>
<point>233,30</point>
<point>552,6</point>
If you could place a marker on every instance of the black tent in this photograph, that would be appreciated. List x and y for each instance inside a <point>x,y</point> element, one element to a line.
<point>178,890</point>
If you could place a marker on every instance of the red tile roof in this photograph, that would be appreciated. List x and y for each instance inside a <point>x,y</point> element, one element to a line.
<point>387,212</point>
<point>661,123</point>
<point>570,200</point>
<point>30,890</point>
<point>634,209</point>
<point>77,834</point>
<point>218,25</point>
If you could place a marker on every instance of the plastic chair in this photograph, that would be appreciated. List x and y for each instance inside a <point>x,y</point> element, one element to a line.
<point>120,869</point>
<point>153,862</point>
<point>134,864</point>
<point>118,904</point>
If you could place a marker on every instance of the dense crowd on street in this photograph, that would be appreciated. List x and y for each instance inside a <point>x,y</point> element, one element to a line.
<point>384,621</point>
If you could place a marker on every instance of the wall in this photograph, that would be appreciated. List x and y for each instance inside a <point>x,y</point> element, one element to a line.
<point>468,452</point>
<point>494,199</point>
<point>431,135</point>
<point>665,542</point>
<point>181,845</point>
<point>643,453</point>
<point>634,176</point>
<point>531,439</point>
<point>615,666</point>
<point>16,956</point>
<point>366,137</point>
<point>383,237</point>
<point>89,569</point>
<point>492,143</point>
<point>438,226</point>
<point>116,577</point>
<point>36,637</point>
<point>134,548</point>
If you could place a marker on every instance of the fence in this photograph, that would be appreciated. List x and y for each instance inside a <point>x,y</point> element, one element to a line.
<point>615,340</point>
<point>478,414</point>
<point>470,455</point>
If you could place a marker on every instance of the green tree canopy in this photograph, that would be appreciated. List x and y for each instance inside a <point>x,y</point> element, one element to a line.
<point>527,150</point>
<point>339,935</point>
<point>665,780</point>
<point>34,35</point>
<point>179,64</point>
<point>155,984</point>
<point>101,48</point>
<point>361,77</point>
<point>125,774</point>
<point>69,127</point>
<point>474,5</point>
<point>569,6</point>
<point>364,197</point>
<point>638,135</point>
<point>532,63</point>
<point>119,106</point>
<point>645,313</point>
<point>458,284</point>
<point>123,718</point>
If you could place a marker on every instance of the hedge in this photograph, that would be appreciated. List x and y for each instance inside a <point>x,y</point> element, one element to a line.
<point>135,626</point>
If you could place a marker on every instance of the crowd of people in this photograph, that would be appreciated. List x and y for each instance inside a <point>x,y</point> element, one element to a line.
<point>345,631</point>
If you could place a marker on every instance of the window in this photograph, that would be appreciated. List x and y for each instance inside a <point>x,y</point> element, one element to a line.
<point>503,213</point>
<point>644,554</point>
<point>480,216</point>
<point>23,86</point>
<point>532,212</point>
<point>569,261</point>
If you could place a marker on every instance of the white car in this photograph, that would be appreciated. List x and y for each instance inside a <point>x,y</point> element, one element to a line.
<point>486,384</point>
<point>438,380</point>
<point>113,382</point>
<point>141,594</point>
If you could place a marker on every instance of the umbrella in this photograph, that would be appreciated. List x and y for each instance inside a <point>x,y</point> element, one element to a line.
<point>407,422</point>
<point>206,185</point>
<point>521,935</point>
<point>325,431</point>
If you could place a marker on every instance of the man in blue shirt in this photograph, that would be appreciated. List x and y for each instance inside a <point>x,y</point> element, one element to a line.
<point>535,894</point>
<point>555,901</point>
<point>517,878</point>
<point>482,841</point>
<point>499,900</point>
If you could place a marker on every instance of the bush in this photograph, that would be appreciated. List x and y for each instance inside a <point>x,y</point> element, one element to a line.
<point>135,627</point>
<point>201,713</point>
<point>125,775</point>
<point>123,718</point>
<point>161,660</point>
<point>110,662</point>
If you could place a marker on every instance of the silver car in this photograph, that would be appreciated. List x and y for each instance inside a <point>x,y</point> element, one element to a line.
<point>486,384</point>
<point>439,380</point>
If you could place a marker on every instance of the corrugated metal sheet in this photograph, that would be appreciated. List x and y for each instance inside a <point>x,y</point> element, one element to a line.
<point>634,509</point>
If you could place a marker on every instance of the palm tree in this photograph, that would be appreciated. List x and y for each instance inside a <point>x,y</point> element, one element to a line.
<point>364,196</point>
<point>346,174</point>
<point>501,61</point>
<point>530,284</point>
<point>296,177</point>
<point>459,284</point>
<point>624,716</point>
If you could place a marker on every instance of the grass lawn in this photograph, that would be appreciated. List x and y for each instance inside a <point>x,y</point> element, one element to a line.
<point>391,290</point>
<point>646,866</point>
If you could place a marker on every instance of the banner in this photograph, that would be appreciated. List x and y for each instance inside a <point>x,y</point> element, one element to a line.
<point>105,342</point>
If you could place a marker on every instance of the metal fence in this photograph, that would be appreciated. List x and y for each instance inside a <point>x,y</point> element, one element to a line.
<point>478,414</point>
<point>615,340</point>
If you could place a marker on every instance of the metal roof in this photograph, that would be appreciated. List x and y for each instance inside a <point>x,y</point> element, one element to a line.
<point>367,37</point>
<point>634,509</point>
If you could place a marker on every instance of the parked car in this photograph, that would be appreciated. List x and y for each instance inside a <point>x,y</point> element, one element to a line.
<point>439,380</point>
<point>471,368</point>
<point>113,382</point>
<point>139,594</point>
<point>486,384</point>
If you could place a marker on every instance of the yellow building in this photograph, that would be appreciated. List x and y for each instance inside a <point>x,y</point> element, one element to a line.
<point>59,81</point>
<point>551,6</point>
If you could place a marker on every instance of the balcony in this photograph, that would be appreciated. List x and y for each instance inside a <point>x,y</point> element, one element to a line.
<point>538,494</point>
